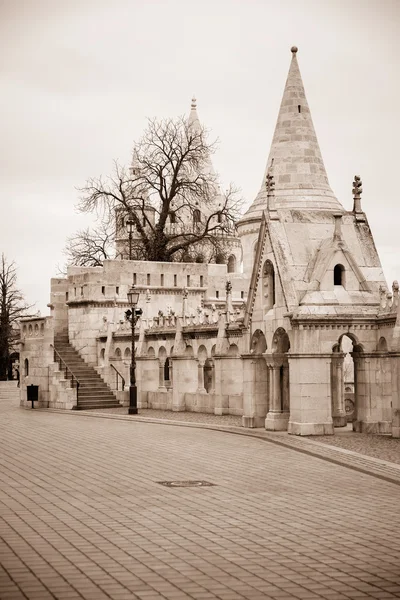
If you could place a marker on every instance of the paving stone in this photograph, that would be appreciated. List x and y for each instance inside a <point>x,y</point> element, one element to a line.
<point>81,512</point>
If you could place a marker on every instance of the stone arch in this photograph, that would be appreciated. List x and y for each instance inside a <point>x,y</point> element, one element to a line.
<point>36,329</point>
<point>280,341</point>
<point>118,353</point>
<point>258,342</point>
<point>346,368</point>
<point>213,349</point>
<point>151,352</point>
<point>339,275</point>
<point>162,358</point>
<point>188,351</point>
<point>232,264</point>
<point>102,356</point>
<point>268,284</point>
<point>233,350</point>
<point>382,345</point>
<point>30,329</point>
<point>209,375</point>
<point>42,329</point>
<point>127,353</point>
<point>202,354</point>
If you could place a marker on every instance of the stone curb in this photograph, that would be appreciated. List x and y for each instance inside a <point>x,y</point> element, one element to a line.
<point>381,469</point>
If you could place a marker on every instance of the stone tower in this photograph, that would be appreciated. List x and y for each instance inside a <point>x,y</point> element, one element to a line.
<point>316,276</point>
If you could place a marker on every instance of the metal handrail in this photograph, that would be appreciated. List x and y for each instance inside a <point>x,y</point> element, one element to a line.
<point>118,375</point>
<point>61,362</point>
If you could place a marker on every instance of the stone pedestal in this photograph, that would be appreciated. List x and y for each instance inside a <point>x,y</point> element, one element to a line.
<point>373,388</point>
<point>279,404</point>
<point>310,394</point>
<point>255,390</point>
<point>185,380</point>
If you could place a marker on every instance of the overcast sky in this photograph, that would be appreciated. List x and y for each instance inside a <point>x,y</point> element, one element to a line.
<point>79,77</point>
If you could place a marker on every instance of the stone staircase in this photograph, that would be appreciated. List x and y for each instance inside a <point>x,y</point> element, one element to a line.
<point>93,391</point>
<point>9,391</point>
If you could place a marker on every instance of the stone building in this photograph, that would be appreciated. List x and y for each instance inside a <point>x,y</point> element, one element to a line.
<point>266,342</point>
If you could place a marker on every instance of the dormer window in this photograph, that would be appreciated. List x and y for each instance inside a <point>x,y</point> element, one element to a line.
<point>196,216</point>
<point>339,275</point>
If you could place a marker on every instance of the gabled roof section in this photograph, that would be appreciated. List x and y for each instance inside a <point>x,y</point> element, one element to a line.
<point>295,158</point>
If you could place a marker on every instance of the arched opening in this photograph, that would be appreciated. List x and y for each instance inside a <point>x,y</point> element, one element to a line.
<point>102,356</point>
<point>118,353</point>
<point>258,342</point>
<point>26,367</point>
<point>200,258</point>
<point>220,258</point>
<point>339,275</point>
<point>209,376</point>
<point>168,372</point>
<point>231,264</point>
<point>127,353</point>
<point>382,345</point>
<point>268,282</point>
<point>151,352</point>
<point>162,359</point>
<point>172,217</point>
<point>196,216</point>
<point>201,358</point>
<point>233,350</point>
<point>346,390</point>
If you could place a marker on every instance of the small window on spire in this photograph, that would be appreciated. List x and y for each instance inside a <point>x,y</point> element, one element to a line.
<point>339,275</point>
<point>299,108</point>
<point>272,162</point>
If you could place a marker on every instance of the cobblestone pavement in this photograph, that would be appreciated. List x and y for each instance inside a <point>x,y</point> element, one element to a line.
<point>379,446</point>
<point>83,515</point>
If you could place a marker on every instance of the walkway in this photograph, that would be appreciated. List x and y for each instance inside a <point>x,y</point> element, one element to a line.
<point>83,515</point>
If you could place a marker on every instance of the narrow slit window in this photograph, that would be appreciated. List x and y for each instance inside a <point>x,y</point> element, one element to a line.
<point>299,108</point>
<point>148,279</point>
<point>217,294</point>
<point>338,275</point>
<point>201,281</point>
<point>134,279</point>
<point>162,279</point>
<point>103,289</point>
<point>188,280</point>
<point>117,290</point>
<point>175,281</point>
<point>242,295</point>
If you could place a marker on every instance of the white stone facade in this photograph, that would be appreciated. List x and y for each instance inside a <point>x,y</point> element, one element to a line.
<point>266,344</point>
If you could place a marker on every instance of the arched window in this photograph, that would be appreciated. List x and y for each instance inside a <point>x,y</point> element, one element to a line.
<point>338,275</point>
<point>172,217</point>
<point>219,217</point>
<point>196,216</point>
<point>231,264</point>
<point>117,352</point>
<point>167,368</point>
<point>26,366</point>
<point>268,279</point>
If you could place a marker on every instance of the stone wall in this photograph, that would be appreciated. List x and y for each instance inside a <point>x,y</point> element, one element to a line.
<point>36,354</point>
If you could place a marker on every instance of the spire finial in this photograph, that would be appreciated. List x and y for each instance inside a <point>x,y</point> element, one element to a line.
<point>194,103</point>
<point>357,191</point>
<point>293,49</point>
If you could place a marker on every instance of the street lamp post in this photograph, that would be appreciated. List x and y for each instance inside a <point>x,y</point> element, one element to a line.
<point>130,224</point>
<point>133,316</point>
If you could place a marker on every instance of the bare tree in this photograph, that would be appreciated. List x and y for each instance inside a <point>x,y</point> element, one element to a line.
<point>90,247</point>
<point>12,308</point>
<point>171,175</point>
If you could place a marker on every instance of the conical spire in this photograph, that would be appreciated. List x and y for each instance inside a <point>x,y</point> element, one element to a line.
<point>193,116</point>
<point>295,159</point>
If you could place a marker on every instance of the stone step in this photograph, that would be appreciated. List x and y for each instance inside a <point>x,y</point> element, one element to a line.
<point>97,406</point>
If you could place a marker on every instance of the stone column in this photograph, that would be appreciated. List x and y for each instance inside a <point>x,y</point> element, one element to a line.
<point>161,382</point>
<point>277,418</point>
<point>337,390</point>
<point>200,378</point>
